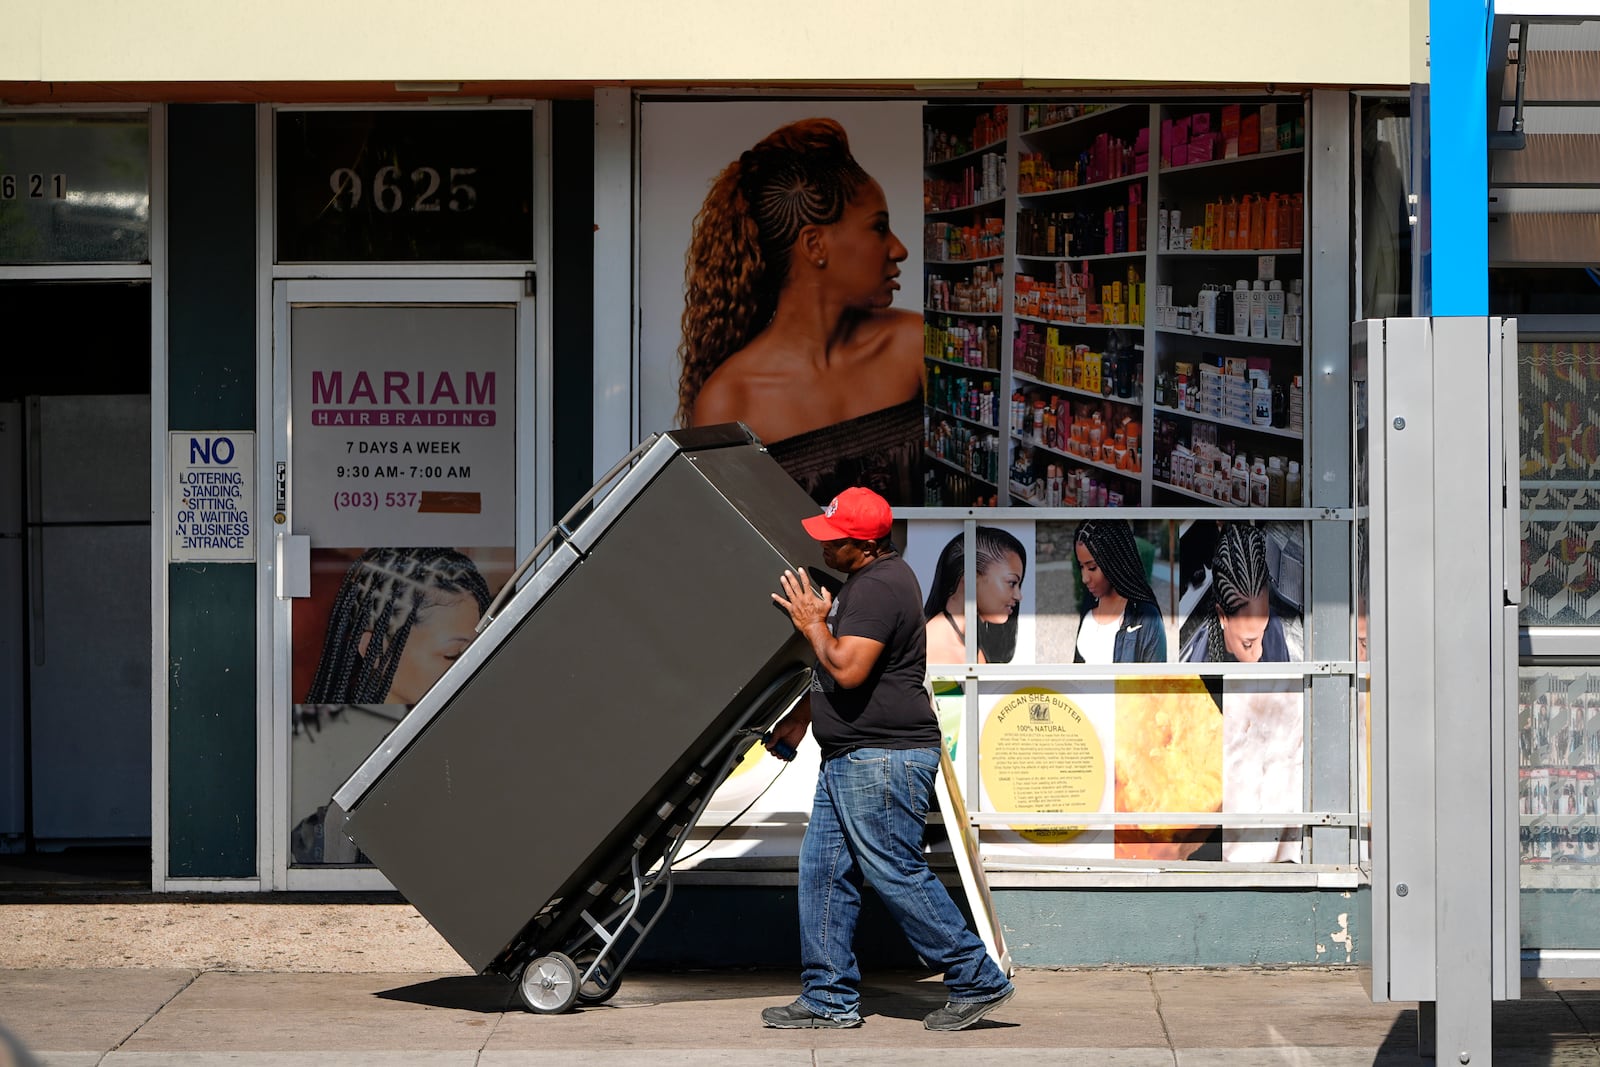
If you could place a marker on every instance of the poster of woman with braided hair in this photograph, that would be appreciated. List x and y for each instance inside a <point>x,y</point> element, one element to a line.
<point>1241,615</point>
<point>402,474</point>
<point>1246,609</point>
<point>1121,619</point>
<point>395,621</point>
<point>780,285</point>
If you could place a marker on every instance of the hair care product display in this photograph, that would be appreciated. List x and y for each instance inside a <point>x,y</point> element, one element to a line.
<point>1145,261</point>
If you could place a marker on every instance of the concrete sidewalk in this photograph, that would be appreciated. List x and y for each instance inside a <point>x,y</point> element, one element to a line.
<point>272,985</point>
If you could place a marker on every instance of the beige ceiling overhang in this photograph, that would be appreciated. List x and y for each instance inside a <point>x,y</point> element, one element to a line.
<point>545,48</point>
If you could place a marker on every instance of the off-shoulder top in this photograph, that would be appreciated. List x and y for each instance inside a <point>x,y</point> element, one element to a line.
<point>881,450</point>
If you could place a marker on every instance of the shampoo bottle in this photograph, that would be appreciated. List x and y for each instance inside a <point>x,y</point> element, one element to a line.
<point>1275,297</point>
<point>1258,483</point>
<point>1258,309</point>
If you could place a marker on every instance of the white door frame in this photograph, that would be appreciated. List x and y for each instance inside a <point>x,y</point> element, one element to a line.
<point>534,503</point>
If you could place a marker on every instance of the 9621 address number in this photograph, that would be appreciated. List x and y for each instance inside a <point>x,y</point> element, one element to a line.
<point>33,186</point>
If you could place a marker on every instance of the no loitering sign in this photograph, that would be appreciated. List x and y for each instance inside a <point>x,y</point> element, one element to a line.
<point>211,507</point>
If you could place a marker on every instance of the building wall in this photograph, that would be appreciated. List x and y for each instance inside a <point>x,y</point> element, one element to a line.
<point>211,373</point>
<point>1296,42</point>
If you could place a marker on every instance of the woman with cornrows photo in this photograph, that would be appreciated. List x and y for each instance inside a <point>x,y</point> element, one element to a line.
<point>787,323</point>
<point>1002,565</point>
<point>1244,621</point>
<point>1121,621</point>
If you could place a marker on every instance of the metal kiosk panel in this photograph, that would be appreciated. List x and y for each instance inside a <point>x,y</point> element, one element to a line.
<point>610,684</point>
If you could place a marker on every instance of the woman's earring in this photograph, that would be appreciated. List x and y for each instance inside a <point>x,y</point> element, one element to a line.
<point>821,263</point>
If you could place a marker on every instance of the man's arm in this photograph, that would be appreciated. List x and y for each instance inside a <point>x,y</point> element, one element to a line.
<point>848,660</point>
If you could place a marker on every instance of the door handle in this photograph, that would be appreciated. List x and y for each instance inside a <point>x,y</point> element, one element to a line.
<point>36,593</point>
<point>292,561</point>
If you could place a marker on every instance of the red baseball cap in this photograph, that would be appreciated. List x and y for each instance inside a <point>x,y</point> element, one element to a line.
<point>856,513</point>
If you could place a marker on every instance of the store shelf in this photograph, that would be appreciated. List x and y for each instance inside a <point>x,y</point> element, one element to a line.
<point>1211,253</point>
<point>1130,401</point>
<point>1109,468</point>
<point>962,262</point>
<point>967,156</point>
<point>964,314</point>
<point>946,212</point>
<point>1082,259</point>
<point>961,366</point>
<point>1138,326</point>
<point>1028,198</point>
<point>1191,494</point>
<point>1081,120</point>
<point>1271,431</point>
<point>1227,338</point>
<point>1254,157</point>
<point>1017,493</point>
<point>958,469</point>
<point>984,426</point>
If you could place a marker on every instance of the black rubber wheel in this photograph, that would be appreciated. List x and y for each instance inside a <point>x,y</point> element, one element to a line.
<point>602,986</point>
<point>549,984</point>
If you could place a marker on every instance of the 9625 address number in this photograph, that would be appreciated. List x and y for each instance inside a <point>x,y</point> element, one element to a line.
<point>424,190</point>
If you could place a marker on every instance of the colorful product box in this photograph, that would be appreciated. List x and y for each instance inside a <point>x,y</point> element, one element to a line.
<point>1250,134</point>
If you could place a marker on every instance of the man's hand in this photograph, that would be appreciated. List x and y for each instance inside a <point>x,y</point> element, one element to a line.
<point>848,660</point>
<point>790,730</point>
<point>806,606</point>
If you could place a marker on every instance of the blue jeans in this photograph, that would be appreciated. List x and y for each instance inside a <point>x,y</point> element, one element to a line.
<point>866,828</point>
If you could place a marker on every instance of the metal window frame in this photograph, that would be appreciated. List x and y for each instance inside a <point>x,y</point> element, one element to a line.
<point>1332,767</point>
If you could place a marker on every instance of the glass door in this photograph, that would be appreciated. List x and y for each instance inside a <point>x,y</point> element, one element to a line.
<point>398,430</point>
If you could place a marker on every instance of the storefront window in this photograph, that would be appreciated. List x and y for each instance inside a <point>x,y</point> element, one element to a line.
<point>404,186</point>
<point>1103,318</point>
<point>1558,707</point>
<point>1385,227</point>
<point>74,188</point>
<point>1559,387</point>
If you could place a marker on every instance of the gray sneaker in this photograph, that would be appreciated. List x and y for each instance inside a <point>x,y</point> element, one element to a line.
<point>959,1016</point>
<point>797,1016</point>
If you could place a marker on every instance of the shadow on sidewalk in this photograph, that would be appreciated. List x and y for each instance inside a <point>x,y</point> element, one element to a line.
<point>1547,1027</point>
<point>913,1001</point>
<point>487,993</point>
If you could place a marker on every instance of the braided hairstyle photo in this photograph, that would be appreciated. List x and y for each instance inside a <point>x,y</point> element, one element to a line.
<point>738,259</point>
<point>378,604</point>
<point>1239,578</point>
<point>1116,553</point>
<point>997,641</point>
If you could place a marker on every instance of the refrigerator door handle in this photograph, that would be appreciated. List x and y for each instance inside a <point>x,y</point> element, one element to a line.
<point>293,564</point>
<point>36,593</point>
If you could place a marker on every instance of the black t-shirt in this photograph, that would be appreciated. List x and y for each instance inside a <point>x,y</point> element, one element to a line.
<point>882,602</point>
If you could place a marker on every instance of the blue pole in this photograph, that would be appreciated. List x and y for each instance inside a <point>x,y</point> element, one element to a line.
<point>1455,248</point>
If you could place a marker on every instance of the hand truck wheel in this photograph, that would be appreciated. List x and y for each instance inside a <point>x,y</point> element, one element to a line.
<point>549,984</point>
<point>602,985</point>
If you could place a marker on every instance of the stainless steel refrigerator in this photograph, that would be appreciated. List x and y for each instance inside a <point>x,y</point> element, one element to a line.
<point>75,624</point>
<point>13,810</point>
